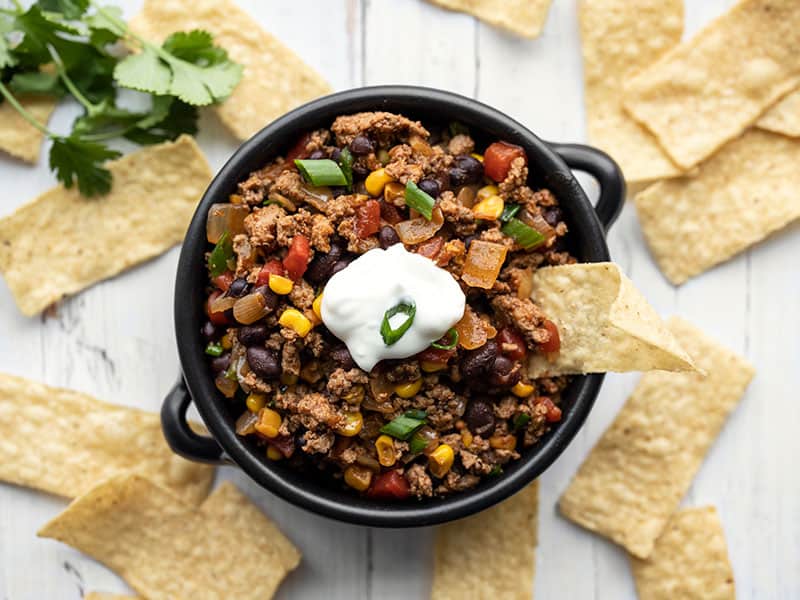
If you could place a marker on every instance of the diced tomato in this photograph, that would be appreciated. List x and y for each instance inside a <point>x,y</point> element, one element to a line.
<point>283,443</point>
<point>273,267</point>
<point>553,412</point>
<point>497,159</point>
<point>389,486</point>
<point>299,149</point>
<point>554,343</point>
<point>368,219</point>
<point>436,355</point>
<point>390,213</point>
<point>223,281</point>
<point>511,344</point>
<point>217,318</point>
<point>430,248</point>
<point>296,261</point>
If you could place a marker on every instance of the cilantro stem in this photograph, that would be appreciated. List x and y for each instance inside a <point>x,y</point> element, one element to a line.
<point>21,110</point>
<point>73,89</point>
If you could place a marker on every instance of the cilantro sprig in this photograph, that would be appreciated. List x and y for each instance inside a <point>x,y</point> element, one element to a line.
<point>71,48</point>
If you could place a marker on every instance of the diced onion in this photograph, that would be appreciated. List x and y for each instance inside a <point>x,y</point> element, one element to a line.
<point>471,330</point>
<point>538,223</point>
<point>221,304</point>
<point>420,229</point>
<point>250,308</point>
<point>246,423</point>
<point>225,217</point>
<point>282,201</point>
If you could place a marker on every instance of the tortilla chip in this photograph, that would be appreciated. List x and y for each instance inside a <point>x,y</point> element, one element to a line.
<point>18,137</point>
<point>275,79</point>
<point>636,475</point>
<point>784,117</point>
<point>105,596</point>
<point>604,323</point>
<point>491,554</point>
<point>620,38</point>
<point>521,17</point>
<point>708,90</point>
<point>61,242</point>
<point>168,550</point>
<point>64,442</point>
<point>690,560</point>
<point>741,195</point>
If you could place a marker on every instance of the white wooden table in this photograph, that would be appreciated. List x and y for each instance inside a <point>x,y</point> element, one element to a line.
<point>116,340</point>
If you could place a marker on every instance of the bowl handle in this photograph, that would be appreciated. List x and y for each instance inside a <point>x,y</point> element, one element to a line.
<point>179,435</point>
<point>607,173</point>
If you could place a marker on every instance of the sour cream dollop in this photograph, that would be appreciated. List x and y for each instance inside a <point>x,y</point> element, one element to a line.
<point>356,299</point>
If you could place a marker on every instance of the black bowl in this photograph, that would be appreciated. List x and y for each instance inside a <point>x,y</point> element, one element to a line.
<point>549,166</point>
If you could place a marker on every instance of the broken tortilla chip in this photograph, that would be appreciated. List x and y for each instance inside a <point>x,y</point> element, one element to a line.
<point>491,554</point>
<point>619,38</point>
<point>18,137</point>
<point>690,560</point>
<point>168,550</point>
<point>634,478</point>
<point>708,90</point>
<point>784,117</point>
<point>521,17</point>
<point>64,442</point>
<point>604,323</point>
<point>106,596</point>
<point>745,192</point>
<point>275,79</point>
<point>61,242</point>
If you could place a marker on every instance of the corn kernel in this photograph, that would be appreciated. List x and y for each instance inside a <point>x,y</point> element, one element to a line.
<point>294,319</point>
<point>358,477</point>
<point>489,209</point>
<point>503,442</point>
<point>431,367</point>
<point>280,285</point>
<point>409,389</point>
<point>288,378</point>
<point>316,306</point>
<point>354,395</point>
<point>466,438</point>
<point>255,402</point>
<point>376,181</point>
<point>440,460</point>
<point>477,156</point>
<point>522,390</point>
<point>273,453</point>
<point>487,191</point>
<point>393,191</point>
<point>269,421</point>
<point>226,342</point>
<point>385,447</point>
<point>353,422</point>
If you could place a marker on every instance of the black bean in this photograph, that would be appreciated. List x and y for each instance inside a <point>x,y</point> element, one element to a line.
<point>316,155</point>
<point>252,335</point>
<point>552,215</point>
<point>320,269</point>
<point>477,362</point>
<point>430,187</point>
<point>362,145</point>
<point>387,236</point>
<point>238,288</point>
<point>480,418</point>
<point>340,265</point>
<point>360,171</point>
<point>270,297</point>
<point>263,362</point>
<point>336,155</point>
<point>221,363</point>
<point>504,372</point>
<point>465,170</point>
<point>468,241</point>
<point>338,191</point>
<point>341,356</point>
<point>208,331</point>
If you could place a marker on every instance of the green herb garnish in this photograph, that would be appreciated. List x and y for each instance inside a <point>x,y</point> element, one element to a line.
<point>520,421</point>
<point>418,200</point>
<point>321,172</point>
<point>406,425</point>
<point>496,470</point>
<point>391,335</point>
<point>346,164</point>
<point>525,235</point>
<point>509,211</point>
<point>220,256</point>
<point>214,349</point>
<point>452,335</point>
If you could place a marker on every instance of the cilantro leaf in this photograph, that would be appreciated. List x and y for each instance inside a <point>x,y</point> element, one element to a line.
<point>40,31</point>
<point>36,82</point>
<point>78,161</point>
<point>71,9</point>
<point>144,72</point>
<point>195,46</point>
<point>178,118</point>
<point>6,57</point>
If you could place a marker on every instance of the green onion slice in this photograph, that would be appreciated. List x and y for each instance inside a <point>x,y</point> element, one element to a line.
<point>525,235</point>
<point>496,470</point>
<point>220,255</point>
<point>321,172</point>
<point>452,335</point>
<point>346,164</point>
<point>509,211</point>
<point>214,349</point>
<point>406,425</point>
<point>521,420</point>
<point>419,200</point>
<point>391,336</point>
<point>417,443</point>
